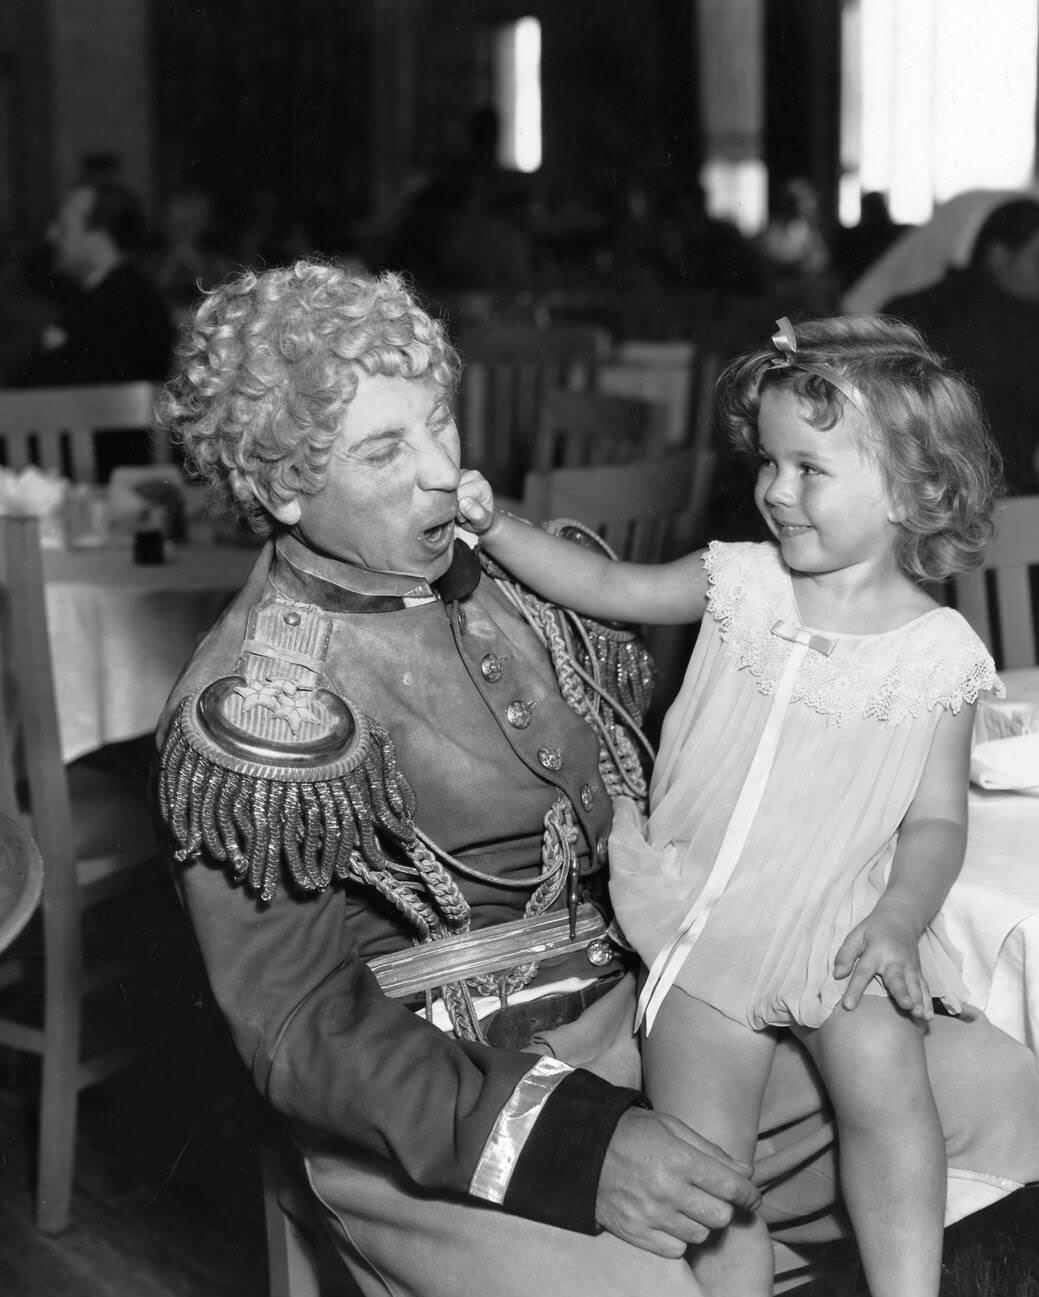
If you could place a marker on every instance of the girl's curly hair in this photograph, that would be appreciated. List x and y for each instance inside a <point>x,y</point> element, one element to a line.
<point>269,364</point>
<point>926,429</point>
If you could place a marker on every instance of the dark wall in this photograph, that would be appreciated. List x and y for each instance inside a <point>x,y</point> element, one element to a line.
<point>25,118</point>
<point>802,94</point>
<point>266,95</point>
<point>287,93</point>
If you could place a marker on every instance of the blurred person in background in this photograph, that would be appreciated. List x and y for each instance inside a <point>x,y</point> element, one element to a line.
<point>859,246</point>
<point>984,317</point>
<point>110,324</point>
<point>796,251</point>
<point>187,257</point>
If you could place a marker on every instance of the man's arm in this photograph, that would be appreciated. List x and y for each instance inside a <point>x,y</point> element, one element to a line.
<point>329,1049</point>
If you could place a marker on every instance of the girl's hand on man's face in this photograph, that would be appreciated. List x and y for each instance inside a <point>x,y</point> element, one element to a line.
<point>475,502</point>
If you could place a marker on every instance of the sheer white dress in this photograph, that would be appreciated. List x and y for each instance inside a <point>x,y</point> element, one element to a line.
<point>787,763</point>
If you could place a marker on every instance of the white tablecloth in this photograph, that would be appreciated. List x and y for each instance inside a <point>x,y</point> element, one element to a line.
<point>992,911</point>
<point>120,632</point>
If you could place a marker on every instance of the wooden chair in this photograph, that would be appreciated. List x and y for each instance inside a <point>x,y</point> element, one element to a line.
<point>94,834</point>
<point>647,510</point>
<point>60,429</point>
<point>659,372</point>
<point>507,370</point>
<point>21,878</point>
<point>997,598</point>
<point>582,429</point>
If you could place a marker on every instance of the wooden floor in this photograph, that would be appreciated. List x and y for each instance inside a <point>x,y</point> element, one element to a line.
<point>167,1202</point>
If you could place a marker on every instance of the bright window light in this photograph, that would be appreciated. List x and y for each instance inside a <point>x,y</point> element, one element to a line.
<point>518,94</point>
<point>732,108</point>
<point>941,95</point>
<point>736,192</point>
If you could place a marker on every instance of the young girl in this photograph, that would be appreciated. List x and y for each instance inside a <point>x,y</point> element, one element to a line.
<point>808,806</point>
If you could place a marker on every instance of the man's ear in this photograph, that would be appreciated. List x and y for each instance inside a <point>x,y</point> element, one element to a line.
<point>287,512</point>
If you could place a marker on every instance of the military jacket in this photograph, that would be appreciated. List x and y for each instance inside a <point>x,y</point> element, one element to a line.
<point>456,695</point>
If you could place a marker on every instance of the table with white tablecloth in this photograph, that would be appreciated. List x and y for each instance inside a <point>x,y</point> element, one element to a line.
<point>992,912</point>
<point>121,632</point>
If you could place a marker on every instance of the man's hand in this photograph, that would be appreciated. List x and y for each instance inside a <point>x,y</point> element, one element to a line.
<point>663,1187</point>
<point>475,502</point>
<point>886,944</point>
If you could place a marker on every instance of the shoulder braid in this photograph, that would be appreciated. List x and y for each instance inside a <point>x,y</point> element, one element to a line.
<point>274,775</point>
<point>266,770</point>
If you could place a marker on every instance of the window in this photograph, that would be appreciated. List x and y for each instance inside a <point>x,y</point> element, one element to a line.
<point>517,76</point>
<point>938,96</point>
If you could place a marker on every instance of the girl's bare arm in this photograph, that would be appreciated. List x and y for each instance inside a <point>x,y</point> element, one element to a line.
<point>579,578</point>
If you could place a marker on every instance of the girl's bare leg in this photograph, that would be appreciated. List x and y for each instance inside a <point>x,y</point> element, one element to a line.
<point>890,1144</point>
<point>710,1071</point>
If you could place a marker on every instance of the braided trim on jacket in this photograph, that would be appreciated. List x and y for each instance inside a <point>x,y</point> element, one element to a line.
<point>605,674</point>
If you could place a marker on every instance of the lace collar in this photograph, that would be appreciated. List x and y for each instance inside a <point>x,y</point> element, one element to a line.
<point>934,661</point>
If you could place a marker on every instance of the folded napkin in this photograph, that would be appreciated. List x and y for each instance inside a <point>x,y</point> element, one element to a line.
<point>1010,764</point>
<point>34,493</point>
<point>1005,720</point>
<point>31,491</point>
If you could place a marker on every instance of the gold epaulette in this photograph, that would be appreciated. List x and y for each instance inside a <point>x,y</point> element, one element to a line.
<point>270,771</point>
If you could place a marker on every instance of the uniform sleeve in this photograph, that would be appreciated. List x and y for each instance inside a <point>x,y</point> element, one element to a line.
<point>328,1049</point>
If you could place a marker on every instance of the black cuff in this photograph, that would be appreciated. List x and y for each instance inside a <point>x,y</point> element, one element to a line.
<point>556,1177</point>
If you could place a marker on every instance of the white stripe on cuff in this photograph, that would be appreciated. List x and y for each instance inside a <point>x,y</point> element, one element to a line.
<point>510,1132</point>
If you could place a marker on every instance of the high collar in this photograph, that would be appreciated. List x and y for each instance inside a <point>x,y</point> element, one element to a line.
<point>300,573</point>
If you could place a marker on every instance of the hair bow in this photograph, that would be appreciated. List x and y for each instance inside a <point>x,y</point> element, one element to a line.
<point>785,342</point>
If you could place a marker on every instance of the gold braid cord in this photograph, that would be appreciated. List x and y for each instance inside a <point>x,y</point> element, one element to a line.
<point>279,778</point>
<point>605,673</point>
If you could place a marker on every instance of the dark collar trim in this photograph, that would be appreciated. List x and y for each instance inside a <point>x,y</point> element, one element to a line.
<point>301,574</point>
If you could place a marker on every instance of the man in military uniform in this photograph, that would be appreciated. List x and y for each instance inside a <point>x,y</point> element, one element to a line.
<point>386,779</point>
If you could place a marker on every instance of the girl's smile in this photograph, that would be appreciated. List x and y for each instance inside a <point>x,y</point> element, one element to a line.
<point>822,493</point>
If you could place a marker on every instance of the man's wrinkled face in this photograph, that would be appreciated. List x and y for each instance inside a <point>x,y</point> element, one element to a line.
<point>390,496</point>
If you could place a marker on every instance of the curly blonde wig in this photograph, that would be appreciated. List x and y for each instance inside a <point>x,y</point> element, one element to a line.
<point>269,364</point>
<point>926,429</point>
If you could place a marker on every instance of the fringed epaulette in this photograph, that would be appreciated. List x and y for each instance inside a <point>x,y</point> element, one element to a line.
<point>605,672</point>
<point>272,773</point>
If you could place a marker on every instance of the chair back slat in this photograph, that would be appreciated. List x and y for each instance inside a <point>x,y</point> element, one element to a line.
<point>646,510</point>
<point>35,702</point>
<point>659,372</point>
<point>21,878</point>
<point>584,429</point>
<point>997,598</point>
<point>57,428</point>
<point>507,372</point>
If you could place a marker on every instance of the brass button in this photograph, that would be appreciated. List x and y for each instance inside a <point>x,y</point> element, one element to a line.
<point>599,952</point>
<point>292,619</point>
<point>587,796</point>
<point>492,668</point>
<point>519,714</point>
<point>550,758</point>
<point>601,848</point>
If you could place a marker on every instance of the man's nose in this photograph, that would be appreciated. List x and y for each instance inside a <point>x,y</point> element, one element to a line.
<point>438,466</point>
